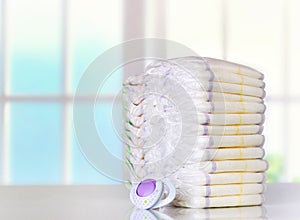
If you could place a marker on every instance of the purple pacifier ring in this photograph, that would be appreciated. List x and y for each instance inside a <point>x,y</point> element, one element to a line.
<point>146,187</point>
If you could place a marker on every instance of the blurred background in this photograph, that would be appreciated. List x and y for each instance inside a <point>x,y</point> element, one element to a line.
<point>46,45</point>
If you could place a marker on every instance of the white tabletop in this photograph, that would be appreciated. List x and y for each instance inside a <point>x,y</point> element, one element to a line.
<point>112,202</point>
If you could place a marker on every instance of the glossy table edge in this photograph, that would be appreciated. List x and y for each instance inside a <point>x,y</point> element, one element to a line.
<point>112,201</point>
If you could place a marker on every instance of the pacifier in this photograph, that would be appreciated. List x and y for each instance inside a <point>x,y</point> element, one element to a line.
<point>151,194</point>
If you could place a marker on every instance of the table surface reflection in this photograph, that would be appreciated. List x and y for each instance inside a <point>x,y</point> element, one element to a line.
<point>112,202</point>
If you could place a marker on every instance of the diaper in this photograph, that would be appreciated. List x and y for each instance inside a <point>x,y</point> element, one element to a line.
<point>217,65</point>
<point>185,191</point>
<point>254,165</point>
<point>206,107</point>
<point>145,129</point>
<point>236,153</point>
<point>164,74</point>
<point>224,201</point>
<point>229,141</point>
<point>201,178</point>
<point>208,69</point>
<point>198,96</point>
<point>203,119</point>
<point>227,97</point>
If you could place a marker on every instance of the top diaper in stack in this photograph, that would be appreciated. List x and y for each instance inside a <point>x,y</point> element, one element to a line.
<point>198,121</point>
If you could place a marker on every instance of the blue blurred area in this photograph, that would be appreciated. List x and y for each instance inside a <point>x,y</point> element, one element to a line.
<point>36,153</point>
<point>108,120</point>
<point>35,44</point>
<point>36,72</point>
<point>83,55</point>
<point>34,31</point>
<point>83,172</point>
<point>35,137</point>
<point>81,169</point>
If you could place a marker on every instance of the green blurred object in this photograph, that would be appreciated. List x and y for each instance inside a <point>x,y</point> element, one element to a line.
<point>275,170</point>
<point>296,179</point>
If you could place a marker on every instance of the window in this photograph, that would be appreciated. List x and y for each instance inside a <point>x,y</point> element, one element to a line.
<point>47,44</point>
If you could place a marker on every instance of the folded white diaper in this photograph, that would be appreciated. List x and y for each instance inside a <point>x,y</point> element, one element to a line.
<point>231,119</point>
<point>227,154</point>
<point>145,129</point>
<point>206,107</point>
<point>138,94</point>
<point>230,107</point>
<point>185,191</point>
<point>199,68</point>
<point>169,74</point>
<point>218,96</point>
<point>224,88</point>
<point>203,142</point>
<point>191,86</point>
<point>190,172</point>
<point>217,65</point>
<point>255,165</point>
<point>201,178</point>
<point>142,156</point>
<point>221,76</point>
<point>202,96</point>
<point>204,119</point>
<point>223,201</point>
<point>229,77</point>
<point>198,143</point>
<point>225,130</point>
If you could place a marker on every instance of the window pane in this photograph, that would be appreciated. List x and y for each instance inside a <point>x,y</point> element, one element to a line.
<point>108,119</point>
<point>1,48</point>
<point>1,142</point>
<point>294,48</point>
<point>35,138</point>
<point>112,83</point>
<point>197,25</point>
<point>293,171</point>
<point>274,132</point>
<point>255,38</point>
<point>94,30</point>
<point>34,31</point>
<point>82,171</point>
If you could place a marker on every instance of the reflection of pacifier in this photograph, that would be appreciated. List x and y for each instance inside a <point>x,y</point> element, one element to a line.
<point>139,214</point>
<point>151,194</point>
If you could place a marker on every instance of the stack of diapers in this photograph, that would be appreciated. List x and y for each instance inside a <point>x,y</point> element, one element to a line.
<point>198,122</point>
